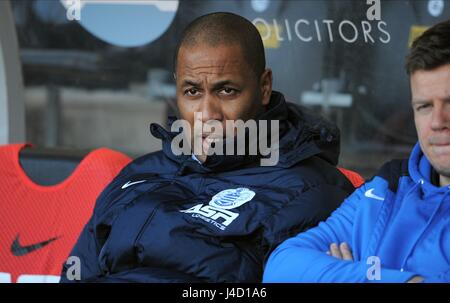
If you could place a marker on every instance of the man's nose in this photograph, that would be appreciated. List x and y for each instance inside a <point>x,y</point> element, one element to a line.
<point>441,116</point>
<point>211,109</point>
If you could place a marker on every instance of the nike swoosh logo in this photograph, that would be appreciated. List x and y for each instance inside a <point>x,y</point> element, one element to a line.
<point>132,183</point>
<point>370,194</point>
<point>18,250</point>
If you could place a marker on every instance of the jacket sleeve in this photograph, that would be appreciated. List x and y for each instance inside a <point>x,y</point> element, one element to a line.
<point>87,248</point>
<point>443,277</point>
<point>304,259</point>
<point>303,212</point>
<point>86,252</point>
<point>146,275</point>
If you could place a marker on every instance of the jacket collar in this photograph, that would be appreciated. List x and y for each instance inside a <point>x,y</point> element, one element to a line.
<point>302,135</point>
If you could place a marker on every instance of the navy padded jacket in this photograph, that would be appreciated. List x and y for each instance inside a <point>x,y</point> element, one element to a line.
<point>161,220</point>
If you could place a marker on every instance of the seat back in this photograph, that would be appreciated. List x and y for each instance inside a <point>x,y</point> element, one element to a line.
<point>352,176</point>
<point>47,198</point>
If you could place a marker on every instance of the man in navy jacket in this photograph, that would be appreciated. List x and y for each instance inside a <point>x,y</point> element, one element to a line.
<point>394,228</point>
<point>170,217</point>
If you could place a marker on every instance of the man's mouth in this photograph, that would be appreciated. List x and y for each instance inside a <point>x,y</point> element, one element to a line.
<point>209,140</point>
<point>440,146</point>
<point>440,140</point>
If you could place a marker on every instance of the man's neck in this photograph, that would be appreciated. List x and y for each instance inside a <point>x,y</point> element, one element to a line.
<point>200,161</point>
<point>444,181</point>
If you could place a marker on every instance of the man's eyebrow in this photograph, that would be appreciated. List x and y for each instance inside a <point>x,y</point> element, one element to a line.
<point>420,101</point>
<point>188,82</point>
<point>214,86</point>
<point>424,101</point>
<point>222,83</point>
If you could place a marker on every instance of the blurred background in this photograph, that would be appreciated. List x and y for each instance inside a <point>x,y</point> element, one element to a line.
<point>101,80</point>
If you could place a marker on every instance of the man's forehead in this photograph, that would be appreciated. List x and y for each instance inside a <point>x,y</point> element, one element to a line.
<point>219,68</point>
<point>432,83</point>
<point>441,74</point>
<point>218,59</point>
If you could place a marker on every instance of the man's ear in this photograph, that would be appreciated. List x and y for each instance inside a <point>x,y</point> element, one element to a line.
<point>266,86</point>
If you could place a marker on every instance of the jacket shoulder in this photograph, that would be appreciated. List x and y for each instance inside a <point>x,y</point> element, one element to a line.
<point>149,166</point>
<point>392,171</point>
<point>317,171</point>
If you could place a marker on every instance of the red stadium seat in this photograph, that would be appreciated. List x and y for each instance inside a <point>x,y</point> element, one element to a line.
<point>352,176</point>
<point>40,224</point>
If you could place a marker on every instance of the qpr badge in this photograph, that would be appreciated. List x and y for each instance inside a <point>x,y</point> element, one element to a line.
<point>232,198</point>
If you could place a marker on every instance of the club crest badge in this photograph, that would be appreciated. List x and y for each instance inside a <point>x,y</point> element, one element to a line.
<point>232,198</point>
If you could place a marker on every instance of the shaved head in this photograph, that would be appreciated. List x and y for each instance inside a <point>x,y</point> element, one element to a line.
<point>225,29</point>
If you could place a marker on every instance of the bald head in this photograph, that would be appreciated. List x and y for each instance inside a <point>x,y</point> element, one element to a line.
<point>219,29</point>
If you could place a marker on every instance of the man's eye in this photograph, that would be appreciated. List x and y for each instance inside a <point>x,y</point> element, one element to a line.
<point>228,91</point>
<point>422,107</point>
<point>191,92</point>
